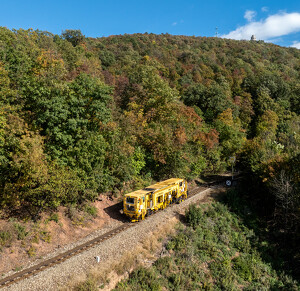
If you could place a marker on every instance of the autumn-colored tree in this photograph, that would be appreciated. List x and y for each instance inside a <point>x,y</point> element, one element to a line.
<point>115,111</point>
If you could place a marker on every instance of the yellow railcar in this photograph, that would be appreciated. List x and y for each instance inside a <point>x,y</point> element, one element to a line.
<point>141,203</point>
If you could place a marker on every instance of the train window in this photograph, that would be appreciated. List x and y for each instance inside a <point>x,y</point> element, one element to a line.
<point>130,200</point>
<point>130,208</point>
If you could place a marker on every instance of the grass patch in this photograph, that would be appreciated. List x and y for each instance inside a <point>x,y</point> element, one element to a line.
<point>91,210</point>
<point>5,238</point>
<point>45,236</point>
<point>75,215</point>
<point>53,217</point>
<point>80,215</point>
<point>21,231</point>
<point>31,252</point>
<point>18,268</point>
<point>90,284</point>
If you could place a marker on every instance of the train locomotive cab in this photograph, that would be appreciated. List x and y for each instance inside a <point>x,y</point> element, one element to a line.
<point>134,206</point>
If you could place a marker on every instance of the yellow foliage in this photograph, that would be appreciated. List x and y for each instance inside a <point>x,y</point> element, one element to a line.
<point>47,62</point>
<point>146,58</point>
<point>267,124</point>
<point>226,117</point>
<point>30,157</point>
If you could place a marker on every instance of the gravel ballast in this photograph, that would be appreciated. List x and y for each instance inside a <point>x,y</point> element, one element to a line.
<point>111,249</point>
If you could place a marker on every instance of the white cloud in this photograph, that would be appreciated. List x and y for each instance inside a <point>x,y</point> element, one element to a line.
<point>177,22</point>
<point>249,15</point>
<point>296,44</point>
<point>273,26</point>
<point>275,40</point>
<point>264,9</point>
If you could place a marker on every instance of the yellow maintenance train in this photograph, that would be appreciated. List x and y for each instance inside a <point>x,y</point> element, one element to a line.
<point>141,203</point>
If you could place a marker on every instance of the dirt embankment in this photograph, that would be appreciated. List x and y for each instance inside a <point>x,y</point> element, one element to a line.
<point>25,242</point>
<point>117,255</point>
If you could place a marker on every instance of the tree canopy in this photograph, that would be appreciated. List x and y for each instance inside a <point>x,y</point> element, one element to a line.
<point>81,115</point>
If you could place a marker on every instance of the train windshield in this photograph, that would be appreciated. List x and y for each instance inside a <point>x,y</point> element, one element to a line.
<point>129,200</point>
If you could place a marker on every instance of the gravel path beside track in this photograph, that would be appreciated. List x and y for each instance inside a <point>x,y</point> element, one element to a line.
<point>57,276</point>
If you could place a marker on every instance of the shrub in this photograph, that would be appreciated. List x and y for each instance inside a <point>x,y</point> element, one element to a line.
<point>45,236</point>
<point>21,231</point>
<point>141,279</point>
<point>178,243</point>
<point>91,210</point>
<point>31,251</point>
<point>193,215</point>
<point>75,215</point>
<point>5,238</point>
<point>242,265</point>
<point>54,217</point>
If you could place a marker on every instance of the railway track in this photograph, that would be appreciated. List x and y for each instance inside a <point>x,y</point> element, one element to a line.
<point>26,273</point>
<point>60,258</point>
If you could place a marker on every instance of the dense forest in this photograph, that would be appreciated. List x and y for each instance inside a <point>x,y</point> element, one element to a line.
<point>81,116</point>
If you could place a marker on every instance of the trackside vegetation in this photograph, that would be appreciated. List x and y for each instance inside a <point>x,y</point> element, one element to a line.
<point>212,250</point>
<point>81,116</point>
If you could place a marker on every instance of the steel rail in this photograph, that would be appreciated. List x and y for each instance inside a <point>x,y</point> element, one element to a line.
<point>26,273</point>
<point>61,257</point>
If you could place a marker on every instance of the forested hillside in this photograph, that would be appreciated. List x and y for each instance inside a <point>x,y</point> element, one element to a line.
<point>81,116</point>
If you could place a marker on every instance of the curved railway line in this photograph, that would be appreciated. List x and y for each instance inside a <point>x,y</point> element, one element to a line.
<point>31,271</point>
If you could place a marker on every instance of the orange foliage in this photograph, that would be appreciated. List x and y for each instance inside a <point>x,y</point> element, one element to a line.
<point>211,139</point>
<point>180,135</point>
<point>190,114</point>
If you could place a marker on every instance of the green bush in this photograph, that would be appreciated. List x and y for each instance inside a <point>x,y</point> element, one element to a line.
<point>243,266</point>
<point>21,231</point>
<point>141,279</point>
<point>193,215</point>
<point>54,217</point>
<point>5,238</point>
<point>178,243</point>
<point>91,210</point>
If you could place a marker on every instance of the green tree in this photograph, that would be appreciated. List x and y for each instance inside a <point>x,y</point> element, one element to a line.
<point>212,100</point>
<point>74,36</point>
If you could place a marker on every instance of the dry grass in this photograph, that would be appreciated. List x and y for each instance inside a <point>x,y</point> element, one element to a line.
<point>109,274</point>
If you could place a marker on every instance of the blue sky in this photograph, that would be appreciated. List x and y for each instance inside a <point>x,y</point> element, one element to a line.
<point>275,21</point>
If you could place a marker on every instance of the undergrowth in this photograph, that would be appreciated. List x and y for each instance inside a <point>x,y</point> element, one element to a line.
<point>215,251</point>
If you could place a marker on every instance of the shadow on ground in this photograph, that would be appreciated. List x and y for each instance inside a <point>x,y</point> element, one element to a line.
<point>114,212</point>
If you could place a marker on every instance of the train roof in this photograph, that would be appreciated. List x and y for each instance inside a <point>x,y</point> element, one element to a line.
<point>155,187</point>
